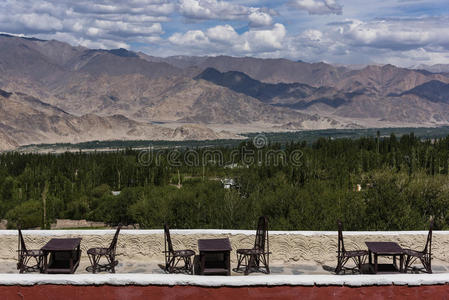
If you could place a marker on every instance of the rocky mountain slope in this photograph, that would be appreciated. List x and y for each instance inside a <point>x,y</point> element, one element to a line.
<point>54,92</point>
<point>427,103</point>
<point>27,120</point>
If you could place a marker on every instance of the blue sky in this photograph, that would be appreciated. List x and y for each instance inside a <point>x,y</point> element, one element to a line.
<point>401,32</point>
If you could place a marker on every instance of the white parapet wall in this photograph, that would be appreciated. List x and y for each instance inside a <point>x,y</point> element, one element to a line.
<point>221,281</point>
<point>316,247</point>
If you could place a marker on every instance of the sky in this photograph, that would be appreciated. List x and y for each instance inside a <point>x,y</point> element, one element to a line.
<point>400,32</point>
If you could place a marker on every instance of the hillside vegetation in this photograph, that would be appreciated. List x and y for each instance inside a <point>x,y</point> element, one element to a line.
<point>370,183</point>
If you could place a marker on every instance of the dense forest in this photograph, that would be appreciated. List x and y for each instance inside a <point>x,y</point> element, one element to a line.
<point>370,183</point>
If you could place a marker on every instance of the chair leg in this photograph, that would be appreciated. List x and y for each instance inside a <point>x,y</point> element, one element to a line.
<point>191,265</point>
<point>427,265</point>
<point>406,263</point>
<point>252,262</point>
<point>40,264</point>
<point>94,259</point>
<point>409,261</point>
<point>340,264</point>
<point>188,265</point>
<point>360,262</point>
<point>111,261</point>
<point>338,267</point>
<point>248,264</point>
<point>171,265</point>
<point>23,266</point>
<point>185,268</point>
<point>20,265</point>
<point>242,260</point>
<point>239,260</point>
<point>95,266</point>
<point>265,263</point>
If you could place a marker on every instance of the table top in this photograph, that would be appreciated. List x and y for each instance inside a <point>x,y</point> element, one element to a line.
<point>62,244</point>
<point>214,245</point>
<point>384,247</point>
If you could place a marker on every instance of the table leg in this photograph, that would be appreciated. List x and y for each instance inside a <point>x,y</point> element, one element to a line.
<point>370,261</point>
<point>228,261</point>
<point>78,257</point>
<point>401,261</point>
<point>394,262</point>
<point>202,262</point>
<point>71,262</point>
<point>375,263</point>
<point>45,269</point>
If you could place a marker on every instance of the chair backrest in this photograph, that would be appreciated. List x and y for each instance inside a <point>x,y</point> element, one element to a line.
<point>21,244</point>
<point>341,245</point>
<point>167,238</point>
<point>261,242</point>
<point>113,244</point>
<point>428,247</point>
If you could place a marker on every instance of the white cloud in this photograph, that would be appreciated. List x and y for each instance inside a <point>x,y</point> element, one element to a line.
<point>211,9</point>
<point>103,23</point>
<point>193,8</point>
<point>43,22</point>
<point>319,7</point>
<point>399,41</point>
<point>128,29</point>
<point>259,18</point>
<point>151,8</point>
<point>85,41</point>
<point>239,27</point>
<point>267,39</point>
<point>224,34</point>
<point>225,40</point>
<point>415,57</point>
<point>398,34</point>
<point>223,10</point>
<point>29,22</point>
<point>192,38</point>
<point>93,32</point>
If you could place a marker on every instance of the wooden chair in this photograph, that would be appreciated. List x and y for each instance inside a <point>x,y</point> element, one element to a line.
<point>343,256</point>
<point>95,254</point>
<point>425,256</point>
<point>24,256</point>
<point>173,257</point>
<point>256,259</point>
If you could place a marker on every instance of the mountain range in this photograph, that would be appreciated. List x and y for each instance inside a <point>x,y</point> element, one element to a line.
<point>54,92</point>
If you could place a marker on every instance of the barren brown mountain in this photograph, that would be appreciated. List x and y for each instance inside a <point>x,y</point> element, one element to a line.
<point>27,120</point>
<point>54,92</point>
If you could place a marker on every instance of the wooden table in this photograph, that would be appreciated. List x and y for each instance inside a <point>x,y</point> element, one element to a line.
<point>377,249</point>
<point>215,256</point>
<point>64,256</point>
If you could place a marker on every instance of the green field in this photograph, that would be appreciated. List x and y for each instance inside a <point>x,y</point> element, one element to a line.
<point>278,137</point>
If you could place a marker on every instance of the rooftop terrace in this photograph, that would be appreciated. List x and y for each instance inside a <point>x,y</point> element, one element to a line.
<point>299,259</point>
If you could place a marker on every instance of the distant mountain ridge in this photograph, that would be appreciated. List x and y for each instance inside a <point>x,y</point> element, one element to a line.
<point>213,96</point>
<point>437,68</point>
<point>435,91</point>
<point>242,83</point>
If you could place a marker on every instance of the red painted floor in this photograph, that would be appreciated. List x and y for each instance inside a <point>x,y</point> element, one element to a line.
<point>65,292</point>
